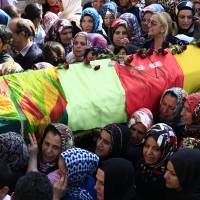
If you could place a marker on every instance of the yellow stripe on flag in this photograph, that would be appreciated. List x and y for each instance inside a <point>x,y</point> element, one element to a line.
<point>190,64</point>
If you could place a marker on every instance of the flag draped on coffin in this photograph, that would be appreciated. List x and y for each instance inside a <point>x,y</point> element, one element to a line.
<point>93,98</point>
<point>39,95</point>
<point>144,80</point>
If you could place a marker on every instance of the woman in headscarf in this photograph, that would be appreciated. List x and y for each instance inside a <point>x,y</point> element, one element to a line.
<point>120,35</point>
<point>139,123</point>
<point>4,18</point>
<point>183,175</point>
<point>61,31</point>
<point>56,139</point>
<point>72,10</point>
<point>108,13</point>
<point>48,20</point>
<point>115,180</point>
<point>80,44</point>
<point>171,104</point>
<point>90,21</point>
<point>14,152</point>
<point>79,166</point>
<point>191,115</point>
<point>98,41</point>
<point>112,141</point>
<point>134,28</point>
<point>185,19</point>
<point>159,144</point>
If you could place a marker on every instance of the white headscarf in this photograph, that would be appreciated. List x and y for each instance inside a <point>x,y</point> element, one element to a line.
<point>72,11</point>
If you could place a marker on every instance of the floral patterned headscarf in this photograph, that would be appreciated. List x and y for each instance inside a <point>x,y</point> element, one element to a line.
<point>165,139</point>
<point>133,25</point>
<point>14,151</point>
<point>193,101</point>
<point>144,116</point>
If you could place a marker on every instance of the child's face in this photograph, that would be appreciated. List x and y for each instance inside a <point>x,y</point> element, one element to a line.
<point>122,52</point>
<point>90,55</point>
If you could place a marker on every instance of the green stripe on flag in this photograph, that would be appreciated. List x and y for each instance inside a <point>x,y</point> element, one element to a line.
<point>94,98</point>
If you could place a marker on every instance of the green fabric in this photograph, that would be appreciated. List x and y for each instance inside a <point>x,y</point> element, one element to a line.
<point>8,110</point>
<point>39,96</point>
<point>94,98</point>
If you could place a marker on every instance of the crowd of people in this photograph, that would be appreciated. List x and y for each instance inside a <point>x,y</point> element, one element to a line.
<point>152,156</point>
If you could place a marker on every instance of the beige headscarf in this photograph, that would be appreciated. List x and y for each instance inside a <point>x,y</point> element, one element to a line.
<point>72,10</point>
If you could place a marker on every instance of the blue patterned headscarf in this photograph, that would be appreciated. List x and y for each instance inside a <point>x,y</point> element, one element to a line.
<point>80,164</point>
<point>96,18</point>
<point>110,7</point>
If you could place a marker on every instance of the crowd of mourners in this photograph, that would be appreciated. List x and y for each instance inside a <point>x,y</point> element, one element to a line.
<point>151,156</point>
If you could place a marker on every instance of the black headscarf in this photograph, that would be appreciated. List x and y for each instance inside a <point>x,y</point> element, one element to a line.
<point>119,179</point>
<point>186,163</point>
<point>119,136</point>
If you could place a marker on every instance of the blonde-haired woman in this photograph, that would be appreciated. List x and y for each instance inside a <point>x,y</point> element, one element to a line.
<point>161,31</point>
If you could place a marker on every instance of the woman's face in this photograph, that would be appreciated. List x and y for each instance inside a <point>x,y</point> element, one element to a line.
<point>97,4</point>
<point>87,24</point>
<point>167,107</point>
<point>99,186</point>
<point>103,144</point>
<point>123,3</point>
<point>119,34</point>
<point>145,21</point>
<point>186,114</point>
<point>66,36</point>
<point>151,151</point>
<point>138,132</point>
<point>155,27</point>
<point>171,180</point>
<point>185,19</point>
<point>51,147</point>
<point>79,46</point>
<point>108,20</point>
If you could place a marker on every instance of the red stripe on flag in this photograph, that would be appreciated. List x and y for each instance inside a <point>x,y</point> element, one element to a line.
<point>144,80</point>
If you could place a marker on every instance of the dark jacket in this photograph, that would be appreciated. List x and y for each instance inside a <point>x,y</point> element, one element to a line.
<point>33,56</point>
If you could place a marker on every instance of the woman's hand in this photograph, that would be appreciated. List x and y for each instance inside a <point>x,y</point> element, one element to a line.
<point>33,150</point>
<point>124,41</point>
<point>59,188</point>
<point>33,146</point>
